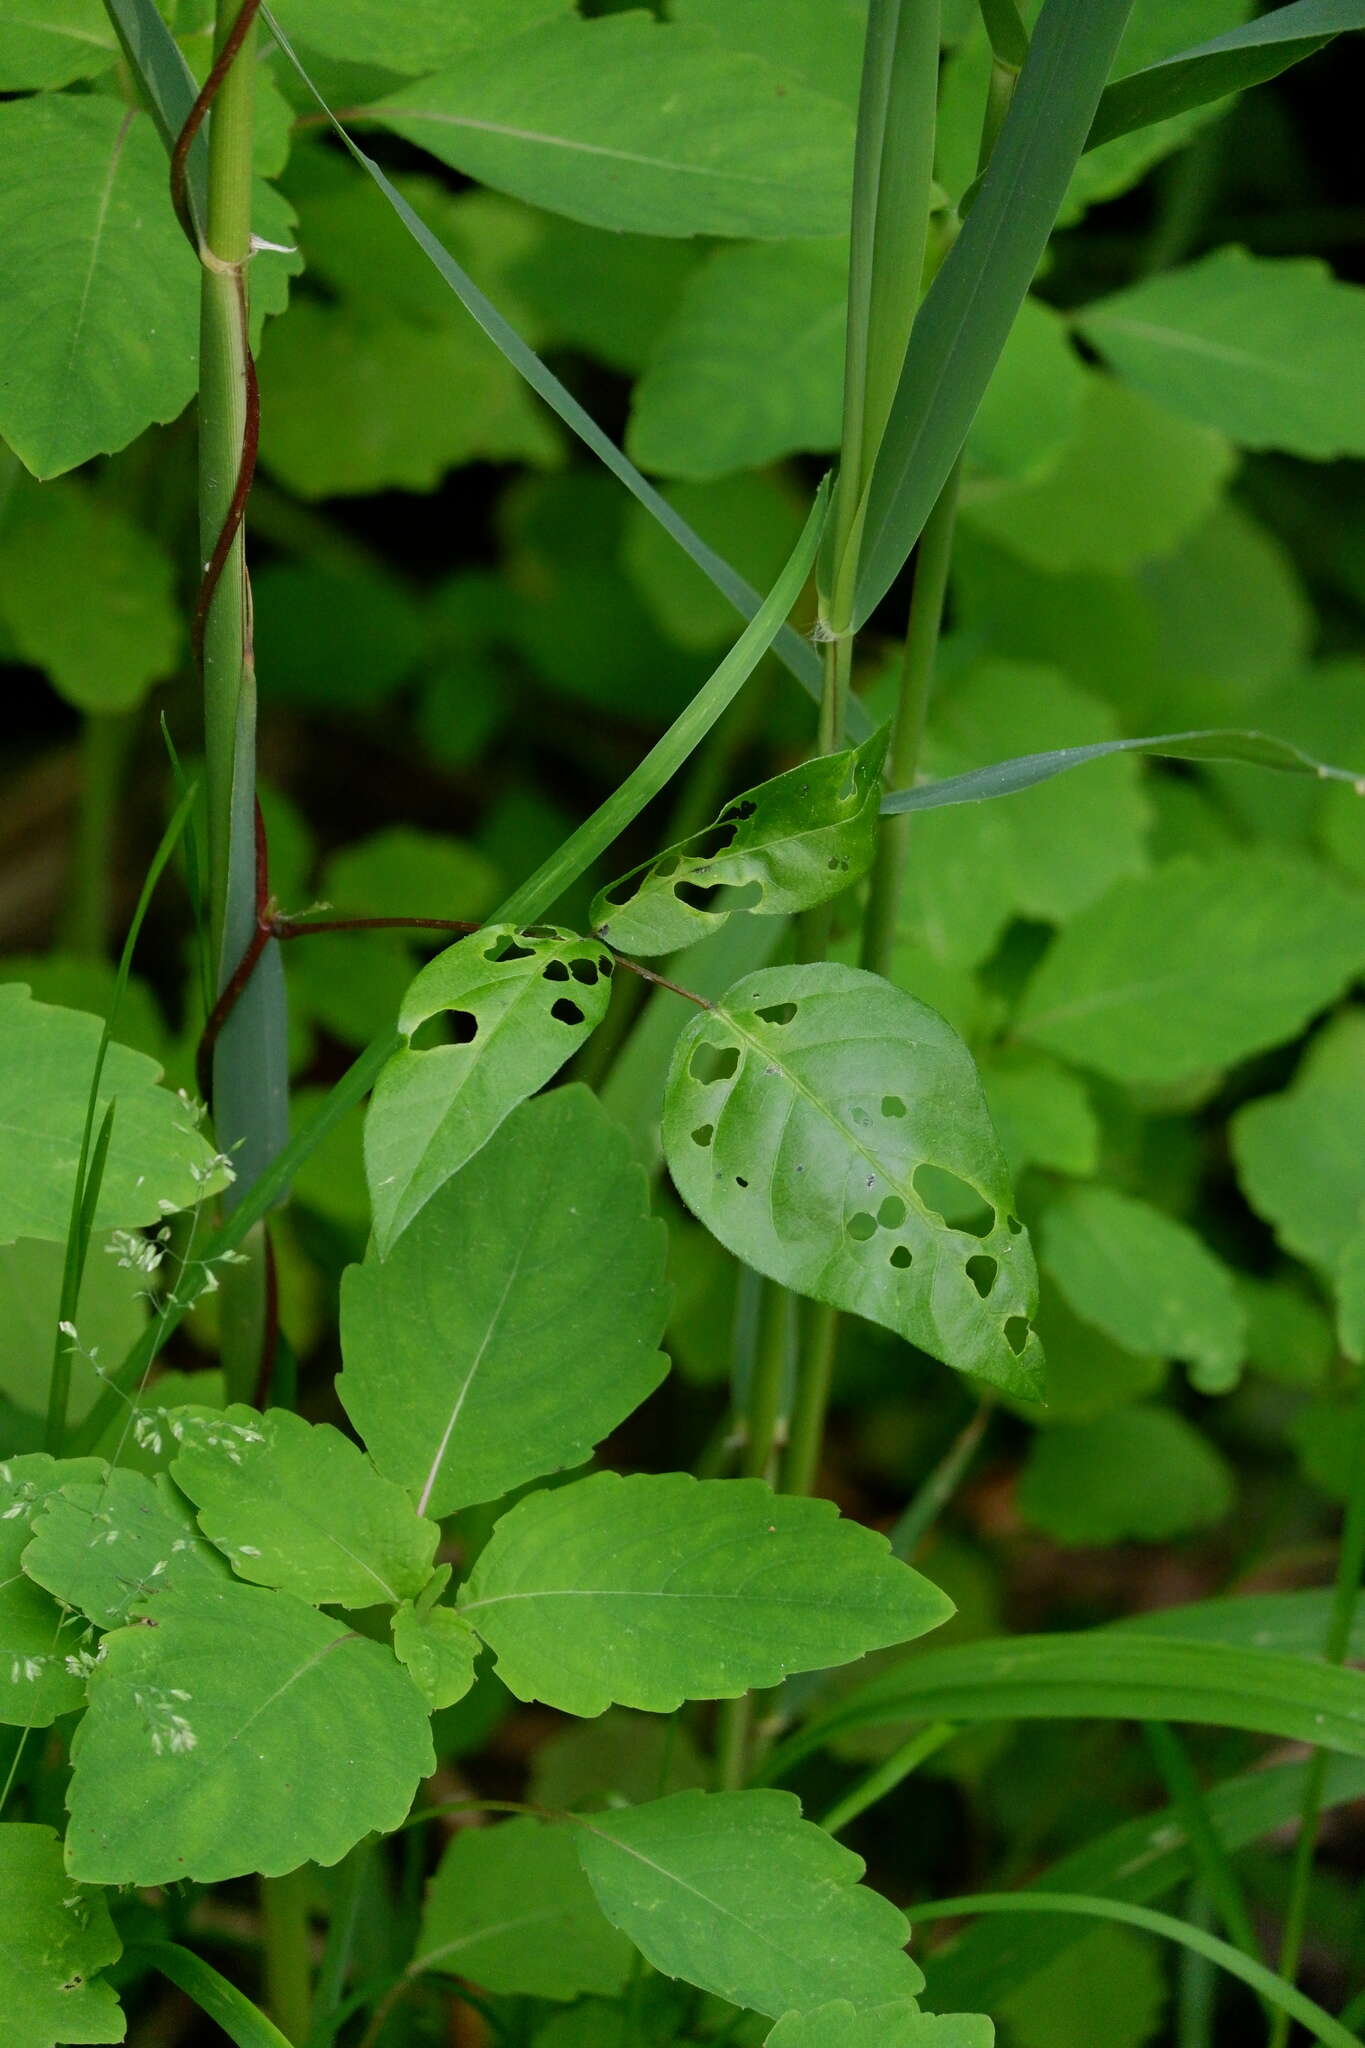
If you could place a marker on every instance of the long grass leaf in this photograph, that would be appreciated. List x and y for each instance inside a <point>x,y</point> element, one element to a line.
<point>243,2023</point>
<point>169,88</point>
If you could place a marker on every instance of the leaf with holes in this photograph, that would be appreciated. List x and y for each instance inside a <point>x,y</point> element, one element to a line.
<point>102,1546</point>
<point>55,1938</point>
<point>37,1682</point>
<point>501,1339</point>
<point>439,1650</point>
<point>243,1731</point>
<point>516,1001</point>
<point>784,846</point>
<point>734,1892</point>
<point>830,1130</point>
<point>297,1505</point>
<point>648,1591</point>
<point>889,2026</point>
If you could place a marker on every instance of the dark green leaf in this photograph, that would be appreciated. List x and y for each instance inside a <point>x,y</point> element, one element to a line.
<point>1137,1473</point>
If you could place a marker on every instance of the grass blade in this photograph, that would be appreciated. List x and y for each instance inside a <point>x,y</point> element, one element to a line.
<point>154,58</point>
<point>243,2023</point>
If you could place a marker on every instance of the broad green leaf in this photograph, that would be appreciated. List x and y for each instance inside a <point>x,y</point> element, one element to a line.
<point>1264,350</point>
<point>87,229</point>
<point>1301,1155</point>
<point>74,983</point>
<point>886,2026</point>
<point>510,1909</point>
<point>103,653</point>
<point>245,2025</point>
<point>1323,1436</point>
<point>439,1649</point>
<point>1133,484</point>
<point>424,36</point>
<point>1087,1373</point>
<point>647,1591</point>
<point>105,1546</point>
<point>818,41</point>
<point>752,518</point>
<point>501,1339</point>
<point>110,1316</point>
<point>297,1505</point>
<point>1147,1280</point>
<point>612,296</point>
<point>734,1892</point>
<point>1136,1473</point>
<point>1289,1337</point>
<point>1245,56</point>
<point>750,367</point>
<point>210,1746</point>
<point>1032,408</point>
<point>1350,1289</point>
<point>56,1938</point>
<point>517,1002</point>
<point>53,42</point>
<point>401,872</point>
<point>620,1759</point>
<point>1195,966</point>
<point>1044,1116</point>
<point>783,846</point>
<point>631,123</point>
<point>831,1131</point>
<point>157,1161</point>
<point>1109,1986</point>
<point>332,640</point>
<point>43,1653</point>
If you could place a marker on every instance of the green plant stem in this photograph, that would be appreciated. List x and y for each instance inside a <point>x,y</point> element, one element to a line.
<point>288,1974</point>
<point>105,742</point>
<point>810,1403</point>
<point>942,1483</point>
<point>888,1775</point>
<point>768,1384</point>
<point>1346,1592</point>
<point>1216,1877</point>
<point>1196,1980</point>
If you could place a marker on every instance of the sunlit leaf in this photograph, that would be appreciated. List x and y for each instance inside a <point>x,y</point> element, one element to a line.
<point>439,1649</point>
<point>104,1546</point>
<point>1301,1155</point>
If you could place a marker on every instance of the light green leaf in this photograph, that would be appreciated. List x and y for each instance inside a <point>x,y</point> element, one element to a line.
<point>1147,1280</point>
<point>734,1892</point>
<point>783,846</point>
<point>647,1591</point>
<point>510,1909</point>
<point>297,1505</point>
<point>36,1639</point>
<point>1110,1986</point>
<point>105,1546</point>
<point>1139,1473</point>
<point>87,229</point>
<point>888,2026</point>
<point>56,1937</point>
<point>1264,350</point>
<point>52,43</point>
<point>110,1316</point>
<point>103,653</point>
<point>1350,1288</point>
<point>750,367</point>
<point>608,294</point>
<point>439,1649</point>
<point>157,1159</point>
<point>830,1131</point>
<point>1043,1113</point>
<point>1195,966</point>
<point>1301,1155</point>
<point>620,1759</point>
<point>1132,484</point>
<point>751,518</point>
<point>501,1338</point>
<point>165,1785</point>
<point>818,41</point>
<point>636,124</point>
<point>1087,1374</point>
<point>401,872</point>
<point>426,35</point>
<point>518,1000</point>
<point>1032,407</point>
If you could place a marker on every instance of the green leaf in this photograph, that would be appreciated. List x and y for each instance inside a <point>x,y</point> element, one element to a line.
<point>104,653</point>
<point>500,1340</point>
<point>296,1505</point>
<point>87,229</point>
<point>1350,1288</point>
<point>157,1161</point>
<point>1043,1113</point>
<point>751,518</point>
<point>56,1937</point>
<point>36,1639</point>
<point>818,41</point>
<point>1133,484</point>
<point>1140,1473</point>
<point>427,35</point>
<point>750,366</point>
<point>734,1892</point>
<point>401,872</point>
<point>1195,966</point>
<point>714,142</point>
<point>111,1314</point>
<point>647,1591</point>
<point>165,1786</point>
<point>620,1759</point>
<point>831,1132</point>
<point>1147,1280</point>
<point>105,1546</point>
<point>1087,1374</point>
<point>609,295</point>
<point>519,1000</point>
<point>510,1909</point>
<point>1031,410</point>
<point>886,2026</point>
<point>1301,1155</point>
<point>1228,63</point>
<point>332,641</point>
<point>439,1650</point>
<point>1263,350</point>
<point>783,846</point>
<point>971,306</point>
<point>60,41</point>
<point>244,2023</point>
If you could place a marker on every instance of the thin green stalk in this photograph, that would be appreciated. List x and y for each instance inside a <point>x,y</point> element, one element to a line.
<point>1196,1980</point>
<point>885,1778</point>
<point>336,1957</point>
<point>768,1384</point>
<point>1217,1878</point>
<point>288,1975</point>
<point>942,1483</point>
<point>1346,1592</point>
<point>105,742</point>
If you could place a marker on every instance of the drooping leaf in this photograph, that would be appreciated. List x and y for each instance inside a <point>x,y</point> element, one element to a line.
<point>1136,1473</point>
<point>1147,1280</point>
<point>55,1938</point>
<point>715,142</point>
<point>510,1909</point>
<point>109,1545</point>
<point>88,231</point>
<point>1264,350</point>
<point>110,1315</point>
<point>517,1002</point>
<point>734,1892</point>
<point>886,2026</point>
<point>426,36</point>
<point>297,1505</point>
<point>439,1650</point>
<point>502,1338</point>
<point>784,846</point>
<point>647,1591</point>
<point>1194,966</point>
<point>36,1639</point>
<point>830,1131</point>
<point>210,1746</point>
<point>157,1160</point>
<point>1301,1155</point>
<point>61,41</point>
